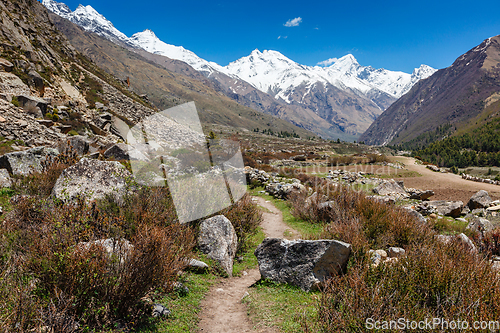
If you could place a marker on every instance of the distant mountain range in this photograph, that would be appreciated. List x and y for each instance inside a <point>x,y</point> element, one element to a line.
<point>463,96</point>
<point>338,101</point>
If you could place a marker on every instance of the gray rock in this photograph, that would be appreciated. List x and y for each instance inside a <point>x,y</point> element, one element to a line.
<point>122,151</point>
<point>36,79</point>
<point>27,161</point>
<point>160,311</point>
<point>5,180</point>
<point>390,187</point>
<point>28,101</point>
<point>197,265</point>
<point>463,239</point>
<point>218,241</point>
<point>93,179</point>
<point>446,208</point>
<point>77,143</point>
<point>283,190</point>
<point>479,224</point>
<point>6,65</point>
<point>479,200</point>
<point>419,194</point>
<point>303,263</point>
<point>382,198</point>
<point>396,252</point>
<point>121,249</point>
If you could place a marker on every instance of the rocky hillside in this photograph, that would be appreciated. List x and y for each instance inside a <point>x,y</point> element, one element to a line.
<point>459,95</point>
<point>49,90</point>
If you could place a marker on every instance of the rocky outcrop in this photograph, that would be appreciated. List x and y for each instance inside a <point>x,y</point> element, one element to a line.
<point>303,263</point>
<point>218,241</point>
<point>479,200</point>
<point>93,179</point>
<point>28,161</point>
<point>392,188</point>
<point>282,191</point>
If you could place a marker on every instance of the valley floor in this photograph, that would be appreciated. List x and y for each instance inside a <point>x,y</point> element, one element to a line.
<point>446,186</point>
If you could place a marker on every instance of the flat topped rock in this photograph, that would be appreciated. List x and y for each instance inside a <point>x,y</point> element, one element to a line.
<point>303,263</point>
<point>27,161</point>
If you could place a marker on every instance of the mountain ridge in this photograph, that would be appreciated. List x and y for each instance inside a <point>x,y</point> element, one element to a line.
<point>454,95</point>
<point>362,92</point>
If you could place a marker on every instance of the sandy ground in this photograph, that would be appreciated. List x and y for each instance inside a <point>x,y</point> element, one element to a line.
<point>222,309</point>
<point>446,186</point>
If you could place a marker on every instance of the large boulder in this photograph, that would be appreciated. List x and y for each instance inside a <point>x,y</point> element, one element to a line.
<point>27,161</point>
<point>93,179</point>
<point>303,263</point>
<point>480,200</point>
<point>218,241</point>
<point>391,187</point>
<point>5,180</point>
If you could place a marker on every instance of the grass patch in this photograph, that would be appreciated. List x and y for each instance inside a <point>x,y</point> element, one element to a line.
<point>283,306</point>
<point>306,229</point>
<point>248,259</point>
<point>185,309</point>
<point>448,225</point>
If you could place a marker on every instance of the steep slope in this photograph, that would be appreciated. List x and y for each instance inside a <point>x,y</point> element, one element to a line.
<point>454,95</point>
<point>350,98</point>
<point>165,88</point>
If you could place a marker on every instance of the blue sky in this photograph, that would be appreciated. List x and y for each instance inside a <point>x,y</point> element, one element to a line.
<point>396,35</point>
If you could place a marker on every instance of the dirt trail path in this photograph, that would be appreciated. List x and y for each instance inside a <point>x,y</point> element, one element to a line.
<point>446,186</point>
<point>222,309</point>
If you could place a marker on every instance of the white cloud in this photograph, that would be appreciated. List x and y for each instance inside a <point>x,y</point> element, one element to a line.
<point>327,62</point>
<point>284,37</point>
<point>293,22</point>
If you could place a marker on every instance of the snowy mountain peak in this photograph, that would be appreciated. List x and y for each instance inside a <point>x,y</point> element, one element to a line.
<point>58,8</point>
<point>347,59</point>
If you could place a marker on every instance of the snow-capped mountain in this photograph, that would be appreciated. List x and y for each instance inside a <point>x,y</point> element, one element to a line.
<point>336,93</point>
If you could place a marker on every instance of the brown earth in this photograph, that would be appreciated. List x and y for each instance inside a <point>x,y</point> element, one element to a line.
<point>446,186</point>
<point>222,309</point>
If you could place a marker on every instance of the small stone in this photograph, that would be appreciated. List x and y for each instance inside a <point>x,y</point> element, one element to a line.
<point>382,254</point>
<point>161,311</point>
<point>396,252</point>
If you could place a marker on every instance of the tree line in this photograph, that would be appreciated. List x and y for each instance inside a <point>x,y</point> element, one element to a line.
<point>481,147</point>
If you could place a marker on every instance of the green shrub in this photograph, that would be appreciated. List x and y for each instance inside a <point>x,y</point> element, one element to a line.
<point>15,101</point>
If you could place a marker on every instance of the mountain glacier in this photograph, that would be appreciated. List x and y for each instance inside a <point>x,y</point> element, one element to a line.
<point>272,73</point>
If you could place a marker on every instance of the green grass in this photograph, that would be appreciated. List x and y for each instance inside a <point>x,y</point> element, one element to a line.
<point>283,306</point>
<point>248,258</point>
<point>5,195</point>
<point>449,226</point>
<point>305,228</point>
